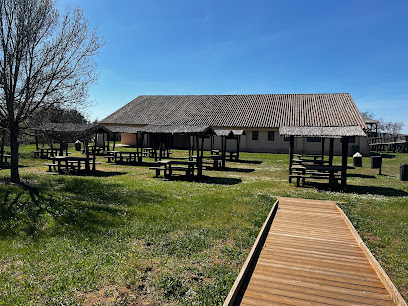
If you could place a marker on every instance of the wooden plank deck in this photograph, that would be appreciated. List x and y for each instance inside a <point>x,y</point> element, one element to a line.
<point>311,256</point>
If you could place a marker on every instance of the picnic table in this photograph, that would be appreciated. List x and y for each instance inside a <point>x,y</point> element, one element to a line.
<point>149,152</point>
<point>94,150</point>
<point>5,159</point>
<point>125,156</point>
<point>315,171</point>
<point>170,166</point>
<point>232,155</point>
<point>46,152</point>
<point>69,164</point>
<point>314,161</point>
<point>214,160</point>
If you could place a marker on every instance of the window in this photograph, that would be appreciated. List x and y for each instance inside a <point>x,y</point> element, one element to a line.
<point>314,139</point>
<point>271,135</point>
<point>255,135</point>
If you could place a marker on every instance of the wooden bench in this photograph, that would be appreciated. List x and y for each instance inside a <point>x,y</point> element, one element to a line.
<point>301,172</point>
<point>110,158</point>
<point>168,172</point>
<point>212,163</point>
<point>51,165</point>
<point>232,155</point>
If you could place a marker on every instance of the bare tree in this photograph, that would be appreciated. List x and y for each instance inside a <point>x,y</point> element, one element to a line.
<point>46,59</point>
<point>384,126</point>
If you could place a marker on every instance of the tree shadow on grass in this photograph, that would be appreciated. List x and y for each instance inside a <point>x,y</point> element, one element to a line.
<point>361,175</point>
<point>78,207</point>
<point>207,179</point>
<point>98,173</point>
<point>359,189</point>
<point>255,162</point>
<point>237,169</point>
<point>383,155</point>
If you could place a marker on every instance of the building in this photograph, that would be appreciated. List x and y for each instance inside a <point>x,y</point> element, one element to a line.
<point>260,116</point>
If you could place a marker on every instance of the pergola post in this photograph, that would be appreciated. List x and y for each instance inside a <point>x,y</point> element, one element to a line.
<point>161,147</point>
<point>200,158</point>
<point>291,152</point>
<point>344,152</point>
<point>224,150</point>
<point>2,146</point>
<point>154,147</point>
<point>323,148</point>
<point>331,151</point>
<point>189,147</point>
<point>114,141</point>
<point>238,143</point>
<point>141,148</point>
<point>36,141</point>
<point>87,156</point>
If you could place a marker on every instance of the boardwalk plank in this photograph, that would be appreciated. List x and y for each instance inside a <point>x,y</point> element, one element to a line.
<point>310,257</point>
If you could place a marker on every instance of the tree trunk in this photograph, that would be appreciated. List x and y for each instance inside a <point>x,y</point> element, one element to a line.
<point>15,176</point>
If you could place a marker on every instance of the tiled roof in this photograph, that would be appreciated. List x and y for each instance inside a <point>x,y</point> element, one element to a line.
<point>241,111</point>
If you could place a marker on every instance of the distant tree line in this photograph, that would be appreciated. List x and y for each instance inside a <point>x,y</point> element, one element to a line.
<point>384,126</point>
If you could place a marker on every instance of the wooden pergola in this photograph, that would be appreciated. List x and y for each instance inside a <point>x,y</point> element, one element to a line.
<point>330,133</point>
<point>226,134</point>
<point>63,133</point>
<point>196,134</point>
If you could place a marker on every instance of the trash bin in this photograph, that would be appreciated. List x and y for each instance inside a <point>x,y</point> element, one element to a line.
<point>376,162</point>
<point>77,145</point>
<point>404,172</point>
<point>358,160</point>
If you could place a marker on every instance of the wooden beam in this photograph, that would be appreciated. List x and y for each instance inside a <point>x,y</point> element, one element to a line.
<point>2,146</point>
<point>331,151</point>
<point>323,139</point>
<point>344,153</point>
<point>224,150</point>
<point>291,152</point>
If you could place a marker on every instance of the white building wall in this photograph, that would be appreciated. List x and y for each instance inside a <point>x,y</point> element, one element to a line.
<point>277,145</point>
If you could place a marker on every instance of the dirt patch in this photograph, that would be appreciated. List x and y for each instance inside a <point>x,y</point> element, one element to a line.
<point>107,295</point>
<point>369,236</point>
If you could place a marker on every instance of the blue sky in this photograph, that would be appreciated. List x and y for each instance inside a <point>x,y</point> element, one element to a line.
<point>252,47</point>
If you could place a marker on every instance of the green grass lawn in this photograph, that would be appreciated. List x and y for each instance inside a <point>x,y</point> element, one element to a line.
<point>125,237</point>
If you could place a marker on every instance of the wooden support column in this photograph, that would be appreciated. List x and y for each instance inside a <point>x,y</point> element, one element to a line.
<point>211,143</point>
<point>189,146</point>
<point>200,168</point>
<point>224,150</point>
<point>238,143</point>
<point>161,147</point>
<point>344,153</point>
<point>331,151</point>
<point>3,136</point>
<point>114,141</point>
<point>87,156</point>
<point>36,141</point>
<point>94,154</point>
<point>323,139</point>
<point>154,147</point>
<point>291,152</point>
<point>142,146</point>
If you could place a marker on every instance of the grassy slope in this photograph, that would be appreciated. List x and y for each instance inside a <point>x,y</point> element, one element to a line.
<point>125,236</point>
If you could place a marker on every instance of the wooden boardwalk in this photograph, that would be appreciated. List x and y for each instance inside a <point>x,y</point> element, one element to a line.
<point>311,256</point>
